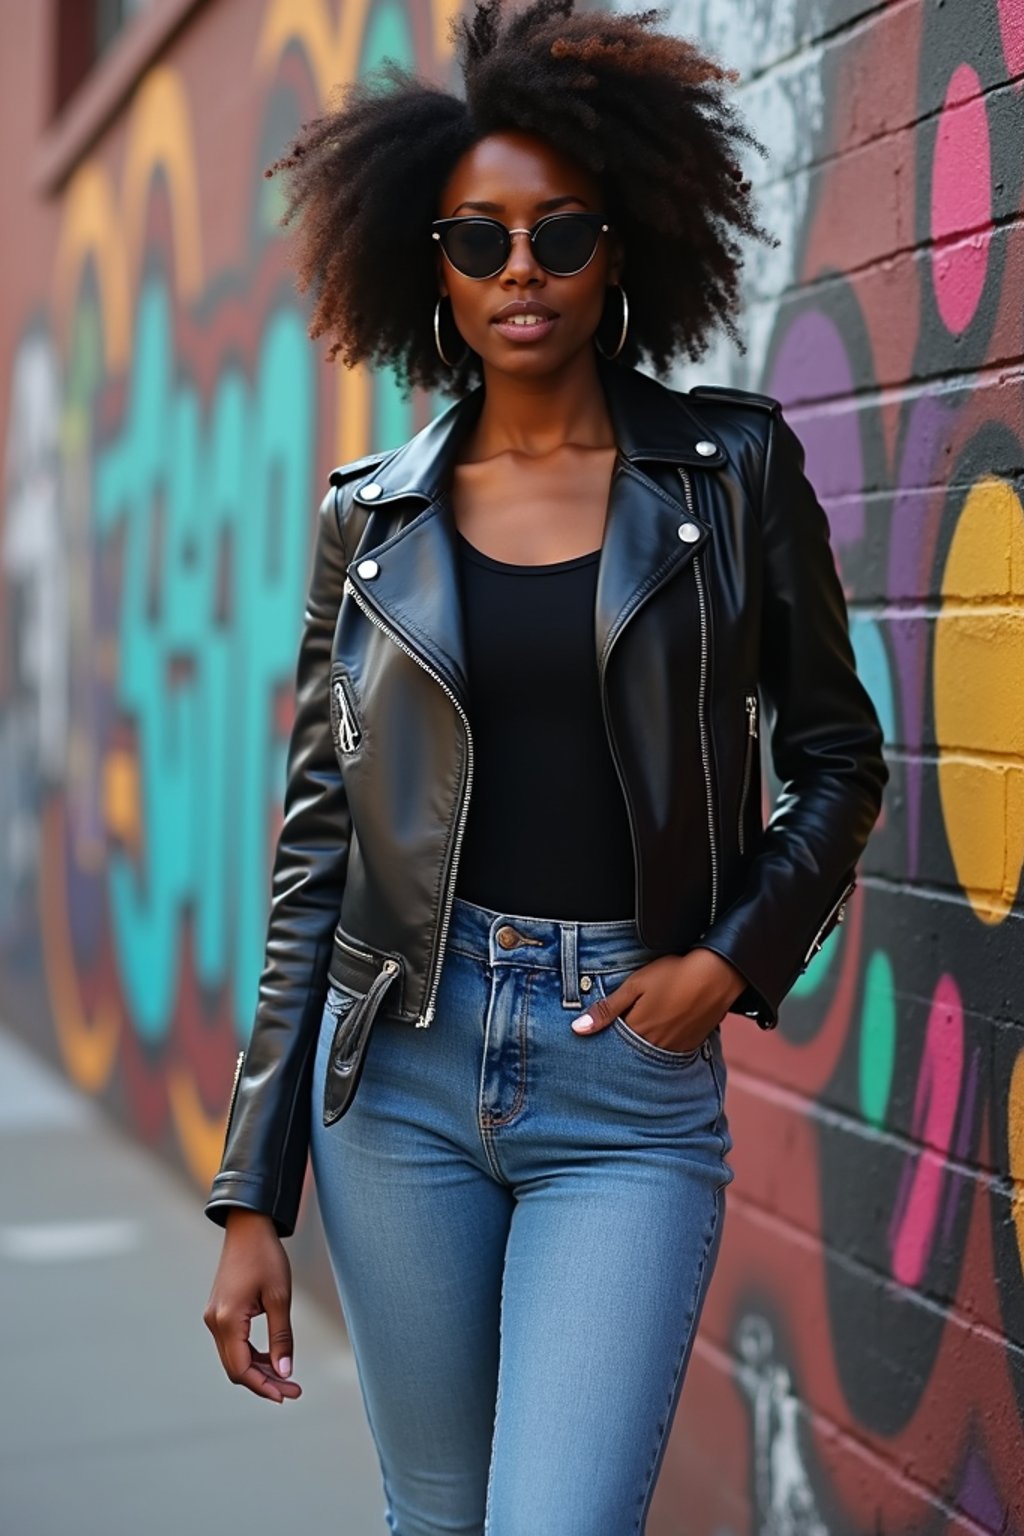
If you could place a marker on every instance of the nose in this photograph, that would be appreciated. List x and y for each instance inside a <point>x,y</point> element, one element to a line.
<point>522,266</point>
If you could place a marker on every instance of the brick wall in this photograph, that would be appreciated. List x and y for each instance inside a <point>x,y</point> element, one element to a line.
<point>860,1367</point>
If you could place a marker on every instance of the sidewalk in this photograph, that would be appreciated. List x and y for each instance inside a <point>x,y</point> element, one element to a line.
<point>116,1418</point>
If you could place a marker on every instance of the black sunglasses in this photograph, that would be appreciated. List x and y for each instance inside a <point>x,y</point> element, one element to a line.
<point>563,243</point>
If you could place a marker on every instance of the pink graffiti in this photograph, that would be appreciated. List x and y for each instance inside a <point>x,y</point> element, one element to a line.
<point>1011,22</point>
<point>961,201</point>
<point>915,1218</point>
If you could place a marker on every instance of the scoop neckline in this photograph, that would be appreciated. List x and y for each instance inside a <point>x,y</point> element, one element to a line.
<point>512,568</point>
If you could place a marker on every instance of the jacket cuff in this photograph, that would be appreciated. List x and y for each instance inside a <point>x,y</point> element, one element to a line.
<point>757,938</point>
<point>251,1193</point>
<point>751,1002</point>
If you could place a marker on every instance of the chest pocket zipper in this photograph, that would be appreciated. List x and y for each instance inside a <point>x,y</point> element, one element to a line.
<point>345,725</point>
<point>748,763</point>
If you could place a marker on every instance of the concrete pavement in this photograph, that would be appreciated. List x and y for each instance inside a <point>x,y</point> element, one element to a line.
<point>115,1416</point>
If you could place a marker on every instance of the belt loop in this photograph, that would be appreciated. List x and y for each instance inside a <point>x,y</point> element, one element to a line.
<point>570,965</point>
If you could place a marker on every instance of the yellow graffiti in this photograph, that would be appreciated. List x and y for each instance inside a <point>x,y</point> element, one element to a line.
<point>1015,1138</point>
<point>979,703</point>
<point>200,1135</point>
<point>121,809</point>
<point>91,228</point>
<point>88,1043</point>
<point>333,51</point>
<point>97,225</point>
<point>442,12</point>
<point>160,137</point>
<point>354,404</point>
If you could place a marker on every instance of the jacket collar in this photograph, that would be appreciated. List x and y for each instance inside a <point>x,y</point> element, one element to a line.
<point>651,530</point>
<point>650,422</point>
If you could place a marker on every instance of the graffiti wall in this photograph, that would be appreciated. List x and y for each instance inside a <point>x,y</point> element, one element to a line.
<point>166,429</point>
<point>167,433</point>
<point>862,1357</point>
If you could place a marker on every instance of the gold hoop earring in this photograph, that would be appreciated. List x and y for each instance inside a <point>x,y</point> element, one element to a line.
<point>625,325</point>
<point>437,338</point>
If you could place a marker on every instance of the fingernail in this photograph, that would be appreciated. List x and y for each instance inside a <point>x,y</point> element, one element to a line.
<point>286,1366</point>
<point>583,1023</point>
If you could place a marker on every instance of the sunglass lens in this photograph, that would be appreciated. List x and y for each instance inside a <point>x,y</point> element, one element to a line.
<point>475,247</point>
<point>565,245</point>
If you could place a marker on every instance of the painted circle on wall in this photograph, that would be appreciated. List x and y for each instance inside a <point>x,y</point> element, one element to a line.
<point>979,702</point>
<point>961,204</point>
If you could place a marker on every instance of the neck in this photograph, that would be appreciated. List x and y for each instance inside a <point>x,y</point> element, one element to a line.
<point>535,416</point>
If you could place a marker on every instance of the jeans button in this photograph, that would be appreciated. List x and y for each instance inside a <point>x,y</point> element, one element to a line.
<point>507,937</point>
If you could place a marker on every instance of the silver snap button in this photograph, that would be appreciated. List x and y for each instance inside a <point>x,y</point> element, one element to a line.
<point>371,492</point>
<point>585,983</point>
<point>688,532</point>
<point>368,569</point>
<point>705,449</point>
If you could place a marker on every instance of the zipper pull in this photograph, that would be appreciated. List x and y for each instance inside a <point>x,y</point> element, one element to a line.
<point>752,714</point>
<point>348,731</point>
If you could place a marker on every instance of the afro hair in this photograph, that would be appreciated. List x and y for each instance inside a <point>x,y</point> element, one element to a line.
<point>643,110</point>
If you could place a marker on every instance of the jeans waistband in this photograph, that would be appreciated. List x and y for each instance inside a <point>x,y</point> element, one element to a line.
<point>572,948</point>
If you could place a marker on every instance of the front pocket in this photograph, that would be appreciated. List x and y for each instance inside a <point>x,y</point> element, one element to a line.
<point>637,1043</point>
<point>354,1016</point>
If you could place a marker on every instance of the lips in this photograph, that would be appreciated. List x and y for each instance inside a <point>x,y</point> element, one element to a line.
<point>520,333</point>
<point>523,307</point>
<point>525,320</point>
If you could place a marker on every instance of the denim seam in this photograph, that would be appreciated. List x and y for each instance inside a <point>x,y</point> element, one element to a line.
<point>493,1122</point>
<point>718,1121</point>
<point>677,1375</point>
<point>483,1124</point>
<point>502,1366</point>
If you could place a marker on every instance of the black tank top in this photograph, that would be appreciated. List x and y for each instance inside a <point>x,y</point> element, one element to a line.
<point>547,834</point>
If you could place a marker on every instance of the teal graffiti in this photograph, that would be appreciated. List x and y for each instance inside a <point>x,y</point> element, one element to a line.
<point>214,530</point>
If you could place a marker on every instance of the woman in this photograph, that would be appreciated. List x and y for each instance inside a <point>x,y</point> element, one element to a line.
<point>523,835</point>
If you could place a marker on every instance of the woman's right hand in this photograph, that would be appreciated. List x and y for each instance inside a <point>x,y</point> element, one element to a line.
<point>253,1276</point>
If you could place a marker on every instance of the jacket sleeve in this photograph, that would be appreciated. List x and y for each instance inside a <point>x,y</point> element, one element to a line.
<point>826,747</point>
<point>267,1134</point>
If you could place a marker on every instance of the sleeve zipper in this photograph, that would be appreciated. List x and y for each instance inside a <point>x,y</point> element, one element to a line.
<point>748,762</point>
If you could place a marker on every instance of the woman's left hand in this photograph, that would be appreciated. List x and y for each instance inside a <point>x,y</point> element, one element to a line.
<point>674,1002</point>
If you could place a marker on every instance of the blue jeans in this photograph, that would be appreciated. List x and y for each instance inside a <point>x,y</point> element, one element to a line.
<point>522,1224</point>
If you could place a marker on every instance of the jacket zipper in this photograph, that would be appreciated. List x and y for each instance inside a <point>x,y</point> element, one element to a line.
<point>838,911</point>
<point>234,1092</point>
<point>363,954</point>
<point>705,752</point>
<point>751,702</point>
<point>427,1015</point>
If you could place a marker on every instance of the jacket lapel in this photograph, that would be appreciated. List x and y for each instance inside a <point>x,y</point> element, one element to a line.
<point>650,531</point>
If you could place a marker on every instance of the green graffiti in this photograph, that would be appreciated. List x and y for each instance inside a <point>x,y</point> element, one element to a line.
<point>877,1038</point>
<point>214,534</point>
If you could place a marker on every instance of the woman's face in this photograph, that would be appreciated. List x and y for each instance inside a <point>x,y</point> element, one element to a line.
<point>517,178</point>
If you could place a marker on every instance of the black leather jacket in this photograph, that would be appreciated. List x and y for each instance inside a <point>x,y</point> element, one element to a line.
<point>717,597</point>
